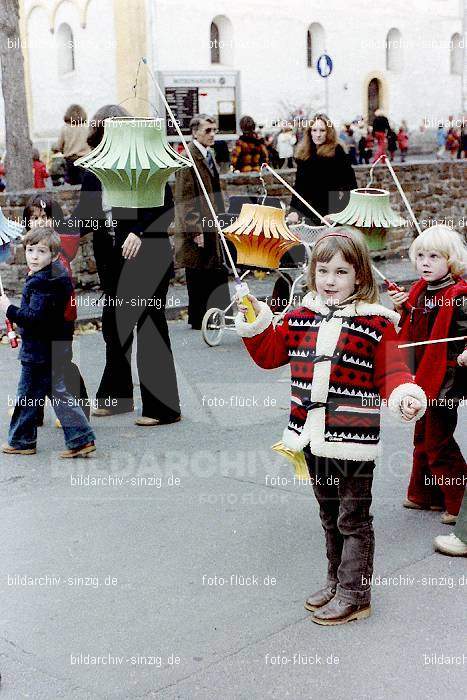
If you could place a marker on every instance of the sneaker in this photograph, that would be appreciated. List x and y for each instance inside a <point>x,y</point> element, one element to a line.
<point>450,544</point>
<point>82,451</point>
<point>448,518</point>
<point>9,450</point>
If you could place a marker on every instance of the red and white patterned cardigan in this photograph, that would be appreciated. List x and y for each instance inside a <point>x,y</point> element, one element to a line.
<point>342,363</point>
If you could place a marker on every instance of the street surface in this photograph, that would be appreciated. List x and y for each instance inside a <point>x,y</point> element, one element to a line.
<point>176,561</point>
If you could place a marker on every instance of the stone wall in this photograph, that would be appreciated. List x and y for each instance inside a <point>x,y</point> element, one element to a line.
<point>435,189</point>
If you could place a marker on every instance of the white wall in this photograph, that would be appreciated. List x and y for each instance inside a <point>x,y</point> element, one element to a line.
<point>91,84</point>
<point>270,52</point>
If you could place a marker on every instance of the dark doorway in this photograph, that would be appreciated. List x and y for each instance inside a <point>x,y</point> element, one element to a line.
<point>373,99</point>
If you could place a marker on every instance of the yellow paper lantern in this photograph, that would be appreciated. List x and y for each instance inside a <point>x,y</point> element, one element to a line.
<point>260,236</point>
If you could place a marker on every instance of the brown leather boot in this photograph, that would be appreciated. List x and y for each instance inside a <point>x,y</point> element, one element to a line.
<point>336,612</point>
<point>320,598</point>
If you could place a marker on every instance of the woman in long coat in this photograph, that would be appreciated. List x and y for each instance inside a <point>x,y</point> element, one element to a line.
<point>324,173</point>
<point>134,262</point>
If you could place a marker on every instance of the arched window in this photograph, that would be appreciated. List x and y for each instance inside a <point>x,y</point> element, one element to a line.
<point>222,44</point>
<point>315,44</point>
<point>66,49</point>
<point>457,54</point>
<point>394,53</point>
<point>373,98</point>
<point>309,51</point>
<point>215,38</point>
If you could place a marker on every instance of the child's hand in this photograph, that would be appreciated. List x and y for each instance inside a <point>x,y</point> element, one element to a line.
<point>398,298</point>
<point>410,406</point>
<point>4,303</point>
<point>256,307</point>
<point>462,359</point>
<point>292,218</point>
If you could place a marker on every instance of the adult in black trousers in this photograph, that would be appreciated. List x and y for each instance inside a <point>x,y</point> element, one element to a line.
<point>134,262</point>
<point>197,243</point>
<point>324,173</point>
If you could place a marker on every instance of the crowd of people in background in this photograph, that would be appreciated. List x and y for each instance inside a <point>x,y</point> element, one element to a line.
<point>361,141</point>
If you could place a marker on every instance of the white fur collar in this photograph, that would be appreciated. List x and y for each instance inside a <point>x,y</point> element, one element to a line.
<point>315,303</point>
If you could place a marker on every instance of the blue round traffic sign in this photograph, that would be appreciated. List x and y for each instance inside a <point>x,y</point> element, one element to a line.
<point>324,65</point>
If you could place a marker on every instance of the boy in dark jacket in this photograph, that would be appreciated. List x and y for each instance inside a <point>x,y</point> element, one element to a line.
<point>45,350</point>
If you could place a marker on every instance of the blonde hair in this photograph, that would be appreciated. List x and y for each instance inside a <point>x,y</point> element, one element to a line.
<point>306,145</point>
<point>355,251</point>
<point>445,241</point>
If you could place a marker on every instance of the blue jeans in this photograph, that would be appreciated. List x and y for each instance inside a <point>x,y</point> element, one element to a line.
<point>36,382</point>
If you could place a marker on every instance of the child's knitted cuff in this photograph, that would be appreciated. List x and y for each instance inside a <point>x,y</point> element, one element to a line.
<point>403,391</point>
<point>261,322</point>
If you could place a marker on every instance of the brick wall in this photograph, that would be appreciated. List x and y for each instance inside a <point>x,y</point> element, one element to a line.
<point>435,190</point>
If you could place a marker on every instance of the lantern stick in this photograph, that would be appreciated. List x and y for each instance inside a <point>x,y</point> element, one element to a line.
<point>291,189</point>
<point>383,158</point>
<point>432,342</point>
<point>242,287</point>
<point>2,291</point>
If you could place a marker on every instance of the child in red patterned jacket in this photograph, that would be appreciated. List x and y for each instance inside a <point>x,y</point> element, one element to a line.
<point>436,307</point>
<point>342,349</point>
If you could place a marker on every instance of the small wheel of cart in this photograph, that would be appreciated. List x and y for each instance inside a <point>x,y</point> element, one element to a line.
<point>212,326</point>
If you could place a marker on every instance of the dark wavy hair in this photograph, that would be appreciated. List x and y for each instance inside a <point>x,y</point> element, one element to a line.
<point>96,125</point>
<point>43,201</point>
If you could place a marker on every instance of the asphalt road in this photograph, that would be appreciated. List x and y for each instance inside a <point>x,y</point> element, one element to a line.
<point>183,574</point>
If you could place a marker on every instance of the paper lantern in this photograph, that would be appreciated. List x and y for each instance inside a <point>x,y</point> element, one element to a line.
<point>369,208</point>
<point>261,236</point>
<point>9,231</point>
<point>133,161</point>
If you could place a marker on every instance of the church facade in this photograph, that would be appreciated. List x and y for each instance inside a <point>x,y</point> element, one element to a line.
<point>266,58</point>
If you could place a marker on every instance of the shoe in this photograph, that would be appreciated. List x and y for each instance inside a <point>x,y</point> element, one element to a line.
<point>320,598</point>
<point>448,518</point>
<point>450,544</point>
<point>82,451</point>
<point>417,506</point>
<point>104,412</point>
<point>336,612</point>
<point>145,421</point>
<point>9,450</point>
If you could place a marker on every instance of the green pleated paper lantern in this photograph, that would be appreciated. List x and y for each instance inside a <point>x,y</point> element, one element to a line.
<point>133,162</point>
<point>369,209</point>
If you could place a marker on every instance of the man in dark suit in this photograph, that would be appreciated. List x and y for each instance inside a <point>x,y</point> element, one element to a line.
<point>197,243</point>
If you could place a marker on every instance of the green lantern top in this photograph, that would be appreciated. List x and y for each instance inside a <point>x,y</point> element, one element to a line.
<point>133,162</point>
<point>369,207</point>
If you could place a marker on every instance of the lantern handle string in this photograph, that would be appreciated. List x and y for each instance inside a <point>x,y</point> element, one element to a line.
<point>135,96</point>
<point>291,189</point>
<point>385,160</point>
<point>200,179</point>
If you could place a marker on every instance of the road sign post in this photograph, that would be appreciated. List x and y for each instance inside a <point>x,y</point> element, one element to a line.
<point>324,67</point>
